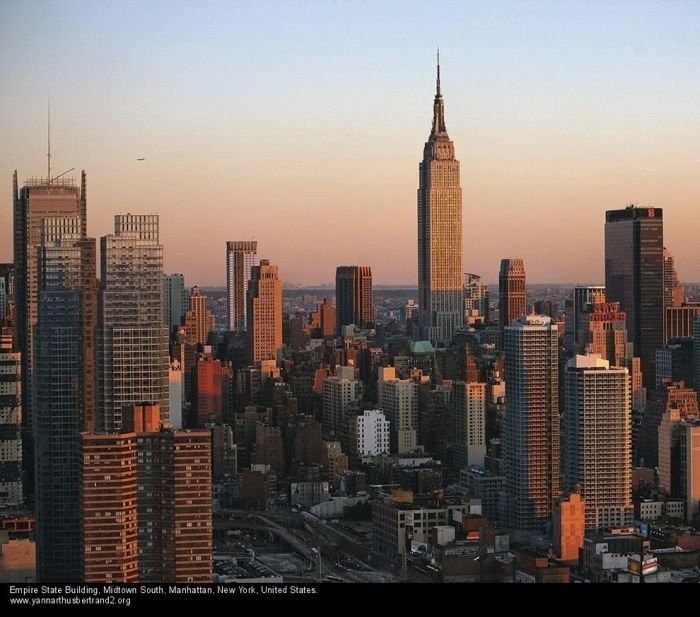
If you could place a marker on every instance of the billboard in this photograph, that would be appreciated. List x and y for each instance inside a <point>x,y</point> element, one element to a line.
<point>649,566</point>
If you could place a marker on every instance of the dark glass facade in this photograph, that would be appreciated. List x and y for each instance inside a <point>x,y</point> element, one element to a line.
<point>634,277</point>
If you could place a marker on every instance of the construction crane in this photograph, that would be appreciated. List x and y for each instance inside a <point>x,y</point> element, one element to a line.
<point>471,277</point>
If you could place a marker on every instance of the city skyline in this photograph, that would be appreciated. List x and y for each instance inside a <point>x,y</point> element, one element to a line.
<point>220,119</point>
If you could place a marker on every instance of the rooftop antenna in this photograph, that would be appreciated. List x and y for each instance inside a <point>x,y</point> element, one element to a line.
<point>48,153</point>
<point>437,83</point>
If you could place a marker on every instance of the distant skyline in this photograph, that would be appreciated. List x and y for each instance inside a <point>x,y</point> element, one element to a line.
<point>300,125</point>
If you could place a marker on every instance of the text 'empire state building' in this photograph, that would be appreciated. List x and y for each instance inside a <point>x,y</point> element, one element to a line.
<point>439,233</point>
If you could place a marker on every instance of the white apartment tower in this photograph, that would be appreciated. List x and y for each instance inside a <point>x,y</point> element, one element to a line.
<point>597,444</point>
<point>371,436</point>
<point>531,431</point>
<point>132,341</point>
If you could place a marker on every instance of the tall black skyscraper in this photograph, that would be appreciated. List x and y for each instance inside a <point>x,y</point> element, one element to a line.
<point>634,277</point>
<point>64,390</point>
<point>353,297</point>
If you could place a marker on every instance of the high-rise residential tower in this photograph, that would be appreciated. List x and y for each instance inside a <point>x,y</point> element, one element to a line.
<point>583,301</point>
<point>512,295</point>
<point>696,352</point>
<point>354,303</point>
<point>241,256</point>
<point>634,277</point>
<point>146,503</point>
<point>132,341</point>
<point>264,313</point>
<point>673,290</point>
<point>340,392</point>
<point>597,440</point>
<point>199,320</point>
<point>175,300</point>
<point>398,398</point>
<point>439,232</point>
<point>476,296</point>
<point>11,492</point>
<point>3,300</point>
<point>469,413</point>
<point>64,390</point>
<point>38,199</point>
<point>531,432</point>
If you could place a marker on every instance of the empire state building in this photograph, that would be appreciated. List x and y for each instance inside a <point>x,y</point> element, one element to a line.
<point>439,232</point>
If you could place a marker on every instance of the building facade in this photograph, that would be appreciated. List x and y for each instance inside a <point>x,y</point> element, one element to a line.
<point>38,199</point>
<point>531,427</point>
<point>596,452</point>
<point>634,277</point>
<point>199,320</point>
<point>512,293</point>
<point>175,300</point>
<point>11,490</point>
<point>241,256</point>
<point>264,316</point>
<point>340,392</point>
<point>398,398</point>
<point>439,233</point>
<point>132,341</point>
<point>354,301</point>
<point>146,503</point>
<point>64,390</point>
<point>469,413</point>
<point>371,434</point>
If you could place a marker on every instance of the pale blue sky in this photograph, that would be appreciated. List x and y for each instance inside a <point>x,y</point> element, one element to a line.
<point>302,124</point>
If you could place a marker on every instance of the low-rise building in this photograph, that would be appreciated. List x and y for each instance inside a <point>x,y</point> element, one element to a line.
<point>396,523</point>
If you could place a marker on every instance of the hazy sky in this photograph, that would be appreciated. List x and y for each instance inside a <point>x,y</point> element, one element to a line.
<point>302,125</point>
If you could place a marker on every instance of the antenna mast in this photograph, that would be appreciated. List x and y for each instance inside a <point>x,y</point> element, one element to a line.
<point>48,153</point>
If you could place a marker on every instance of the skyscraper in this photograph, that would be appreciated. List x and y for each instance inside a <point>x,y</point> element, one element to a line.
<point>3,299</point>
<point>11,493</point>
<point>175,299</point>
<point>439,232</point>
<point>199,320</point>
<point>398,398</point>
<point>146,503</point>
<point>38,199</point>
<point>690,467</point>
<point>64,390</point>
<point>598,440</point>
<point>634,277</point>
<point>264,313</point>
<point>604,332</point>
<point>132,341</point>
<point>241,256</point>
<point>354,303</point>
<point>583,301</point>
<point>469,409</point>
<point>696,352</point>
<point>108,502</point>
<point>673,290</point>
<point>206,389</point>
<point>531,431</point>
<point>476,296</point>
<point>340,393</point>
<point>512,295</point>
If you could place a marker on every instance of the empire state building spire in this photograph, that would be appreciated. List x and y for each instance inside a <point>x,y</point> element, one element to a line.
<point>438,105</point>
<point>439,232</point>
